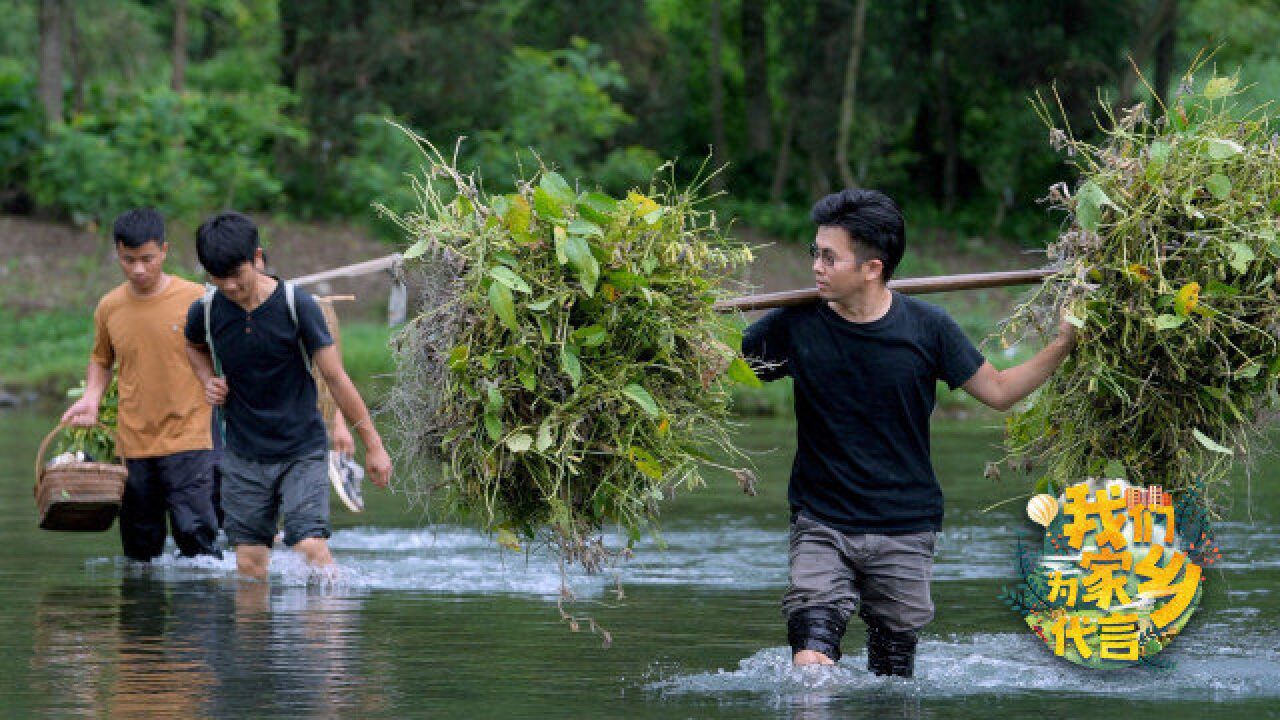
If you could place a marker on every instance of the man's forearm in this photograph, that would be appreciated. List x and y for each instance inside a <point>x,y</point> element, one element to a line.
<point>1019,381</point>
<point>201,363</point>
<point>96,380</point>
<point>353,409</point>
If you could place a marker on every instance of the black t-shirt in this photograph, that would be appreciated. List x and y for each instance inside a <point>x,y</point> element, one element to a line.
<point>271,412</point>
<point>863,396</point>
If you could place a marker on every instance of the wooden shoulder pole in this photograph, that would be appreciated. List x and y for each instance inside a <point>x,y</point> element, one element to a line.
<point>909,286</point>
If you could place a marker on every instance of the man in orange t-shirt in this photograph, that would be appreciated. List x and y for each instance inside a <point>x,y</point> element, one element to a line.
<point>164,426</point>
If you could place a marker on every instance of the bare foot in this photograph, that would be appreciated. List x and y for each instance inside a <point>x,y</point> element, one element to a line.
<point>811,657</point>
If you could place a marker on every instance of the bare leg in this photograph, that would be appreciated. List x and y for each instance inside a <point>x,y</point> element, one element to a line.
<point>316,551</point>
<point>252,561</point>
<point>811,657</point>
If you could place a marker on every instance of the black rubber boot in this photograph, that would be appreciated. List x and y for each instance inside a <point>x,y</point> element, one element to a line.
<point>816,628</point>
<point>891,653</point>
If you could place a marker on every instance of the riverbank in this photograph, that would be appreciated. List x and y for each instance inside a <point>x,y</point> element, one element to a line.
<point>54,273</point>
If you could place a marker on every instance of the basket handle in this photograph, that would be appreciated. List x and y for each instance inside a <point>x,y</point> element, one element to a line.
<point>48,438</point>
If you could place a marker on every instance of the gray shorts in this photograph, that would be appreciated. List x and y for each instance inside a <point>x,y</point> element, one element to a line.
<point>255,493</point>
<point>883,577</point>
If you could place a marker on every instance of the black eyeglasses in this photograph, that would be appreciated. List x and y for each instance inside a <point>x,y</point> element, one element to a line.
<point>828,258</point>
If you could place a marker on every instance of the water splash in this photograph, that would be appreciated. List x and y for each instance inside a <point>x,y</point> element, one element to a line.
<point>1225,666</point>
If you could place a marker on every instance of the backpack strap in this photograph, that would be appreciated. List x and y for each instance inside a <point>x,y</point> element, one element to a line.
<point>291,299</point>
<point>210,290</point>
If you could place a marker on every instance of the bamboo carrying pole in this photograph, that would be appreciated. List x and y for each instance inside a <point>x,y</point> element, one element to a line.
<point>786,298</point>
<point>908,286</point>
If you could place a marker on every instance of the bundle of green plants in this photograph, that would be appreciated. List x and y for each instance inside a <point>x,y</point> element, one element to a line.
<point>1169,270</point>
<point>99,441</point>
<point>567,371</point>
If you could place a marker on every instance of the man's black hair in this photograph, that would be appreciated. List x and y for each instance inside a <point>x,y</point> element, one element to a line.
<point>873,221</point>
<point>137,227</point>
<point>226,241</point>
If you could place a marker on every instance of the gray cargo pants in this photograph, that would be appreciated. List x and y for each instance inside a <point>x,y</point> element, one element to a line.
<point>884,577</point>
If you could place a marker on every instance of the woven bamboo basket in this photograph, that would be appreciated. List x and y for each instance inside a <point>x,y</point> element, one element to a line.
<point>77,496</point>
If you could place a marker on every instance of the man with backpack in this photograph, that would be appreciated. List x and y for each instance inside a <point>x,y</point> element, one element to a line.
<point>253,343</point>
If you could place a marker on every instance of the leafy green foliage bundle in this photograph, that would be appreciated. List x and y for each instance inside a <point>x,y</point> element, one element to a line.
<point>568,371</point>
<point>1169,269</point>
<point>99,441</point>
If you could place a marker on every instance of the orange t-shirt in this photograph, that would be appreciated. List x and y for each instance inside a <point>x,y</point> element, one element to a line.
<point>162,406</point>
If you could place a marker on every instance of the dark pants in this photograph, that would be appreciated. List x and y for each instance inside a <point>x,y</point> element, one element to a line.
<point>179,485</point>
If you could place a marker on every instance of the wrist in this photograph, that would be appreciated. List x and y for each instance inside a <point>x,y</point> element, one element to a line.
<point>369,437</point>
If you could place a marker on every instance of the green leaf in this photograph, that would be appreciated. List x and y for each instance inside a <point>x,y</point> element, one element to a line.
<point>1217,288</point>
<point>494,397</point>
<point>597,207</point>
<point>503,304</point>
<point>542,305</point>
<point>545,437</point>
<point>1089,203</point>
<point>579,253</point>
<point>508,277</point>
<point>1073,320</point>
<point>653,217</point>
<point>590,336</point>
<point>458,357</point>
<point>741,372</point>
<point>1249,371</point>
<point>416,249</point>
<point>645,463</point>
<point>1219,185</point>
<point>641,397</point>
<point>1241,256</point>
<point>562,245</point>
<point>1223,149</point>
<point>555,186</point>
<point>493,426</point>
<point>1159,153</point>
<point>519,442</point>
<point>546,204</point>
<point>1209,444</point>
<point>624,280</point>
<point>585,227</point>
<point>570,364</point>
<point>1219,87</point>
<point>1169,322</point>
<point>1268,238</point>
<point>528,380</point>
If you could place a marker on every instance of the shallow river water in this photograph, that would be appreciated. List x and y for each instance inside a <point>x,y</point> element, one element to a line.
<point>436,621</point>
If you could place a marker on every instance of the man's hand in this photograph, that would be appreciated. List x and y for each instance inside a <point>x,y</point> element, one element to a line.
<point>82,413</point>
<point>1066,330</point>
<point>342,440</point>
<point>377,465</point>
<point>215,391</point>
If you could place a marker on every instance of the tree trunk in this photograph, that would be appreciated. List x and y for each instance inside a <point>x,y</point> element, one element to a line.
<point>1158,19</point>
<point>783,164</point>
<point>179,79</point>
<point>1164,54</point>
<point>755,76</point>
<point>49,82</point>
<point>948,131</point>
<point>290,49</point>
<point>76,56</point>
<point>719,155</point>
<point>850,96</point>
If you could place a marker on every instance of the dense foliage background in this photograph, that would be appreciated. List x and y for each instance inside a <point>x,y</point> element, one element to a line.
<point>277,106</point>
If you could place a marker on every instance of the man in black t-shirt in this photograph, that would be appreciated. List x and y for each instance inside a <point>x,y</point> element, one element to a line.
<point>266,345</point>
<point>865,504</point>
